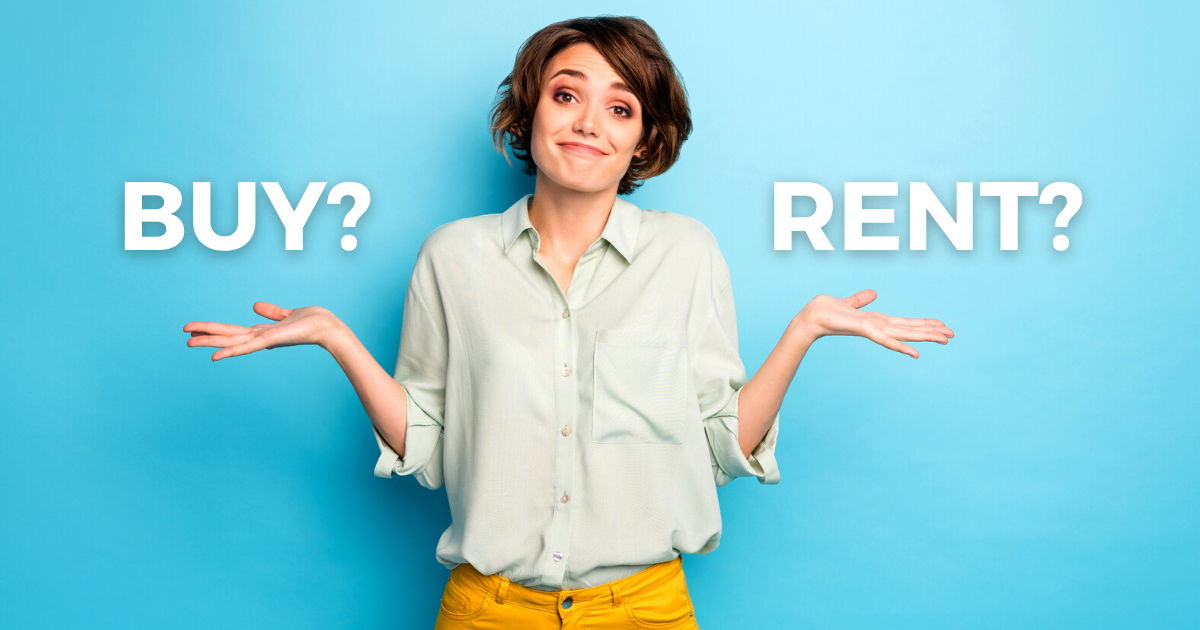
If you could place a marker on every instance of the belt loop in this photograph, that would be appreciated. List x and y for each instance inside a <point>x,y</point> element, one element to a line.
<point>502,591</point>
<point>616,593</point>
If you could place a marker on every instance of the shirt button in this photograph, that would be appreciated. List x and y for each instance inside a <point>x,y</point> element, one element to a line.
<point>566,431</point>
<point>557,556</point>
<point>566,313</point>
<point>565,498</point>
<point>566,371</point>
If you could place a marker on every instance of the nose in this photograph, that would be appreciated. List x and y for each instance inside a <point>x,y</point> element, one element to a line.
<point>586,120</point>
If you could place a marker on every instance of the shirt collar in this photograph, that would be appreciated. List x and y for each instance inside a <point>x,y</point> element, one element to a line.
<point>620,231</point>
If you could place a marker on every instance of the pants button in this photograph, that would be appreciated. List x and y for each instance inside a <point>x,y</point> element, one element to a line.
<point>567,602</point>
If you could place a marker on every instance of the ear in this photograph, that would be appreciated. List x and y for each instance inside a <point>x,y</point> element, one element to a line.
<point>644,143</point>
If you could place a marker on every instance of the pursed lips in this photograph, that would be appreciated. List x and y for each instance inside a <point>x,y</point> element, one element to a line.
<point>581,148</point>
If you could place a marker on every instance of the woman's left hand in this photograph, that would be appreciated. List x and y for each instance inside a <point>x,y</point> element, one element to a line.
<point>828,315</point>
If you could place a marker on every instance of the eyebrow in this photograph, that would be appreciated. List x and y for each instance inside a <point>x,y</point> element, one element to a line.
<point>616,85</point>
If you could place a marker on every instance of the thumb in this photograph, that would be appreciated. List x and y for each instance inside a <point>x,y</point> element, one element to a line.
<point>862,298</point>
<point>270,311</point>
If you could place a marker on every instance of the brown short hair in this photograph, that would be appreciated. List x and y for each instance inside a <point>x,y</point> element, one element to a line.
<point>634,51</point>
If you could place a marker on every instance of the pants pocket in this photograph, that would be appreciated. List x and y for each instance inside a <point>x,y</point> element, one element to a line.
<point>669,606</point>
<point>462,601</point>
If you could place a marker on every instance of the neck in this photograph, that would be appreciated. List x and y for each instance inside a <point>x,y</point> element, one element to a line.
<point>568,220</point>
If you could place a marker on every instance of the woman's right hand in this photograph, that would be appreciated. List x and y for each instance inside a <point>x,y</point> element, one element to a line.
<point>293,326</point>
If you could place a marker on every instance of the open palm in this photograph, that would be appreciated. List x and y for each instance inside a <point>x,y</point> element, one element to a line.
<point>828,315</point>
<point>293,326</point>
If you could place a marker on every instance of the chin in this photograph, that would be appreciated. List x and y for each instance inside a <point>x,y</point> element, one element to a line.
<point>585,187</point>
<point>578,184</point>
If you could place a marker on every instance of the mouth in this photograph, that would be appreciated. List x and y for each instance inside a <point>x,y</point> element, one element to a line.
<point>579,147</point>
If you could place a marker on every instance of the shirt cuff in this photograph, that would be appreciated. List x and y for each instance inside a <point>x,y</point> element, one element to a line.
<point>422,450</point>
<point>728,460</point>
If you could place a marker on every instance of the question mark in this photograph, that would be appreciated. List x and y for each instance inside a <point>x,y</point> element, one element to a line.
<point>362,199</point>
<point>1074,201</point>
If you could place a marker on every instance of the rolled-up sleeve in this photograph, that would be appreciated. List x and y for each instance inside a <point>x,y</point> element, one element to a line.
<point>421,371</point>
<point>720,375</point>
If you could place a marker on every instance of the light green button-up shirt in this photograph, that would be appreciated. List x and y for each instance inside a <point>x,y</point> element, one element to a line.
<point>581,437</point>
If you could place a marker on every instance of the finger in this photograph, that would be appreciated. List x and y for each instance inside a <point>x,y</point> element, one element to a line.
<point>244,330</point>
<point>218,341</point>
<point>861,299</point>
<point>936,328</point>
<point>914,321</point>
<point>270,311</point>
<point>905,333</point>
<point>918,323</point>
<point>213,328</point>
<point>888,342</point>
<point>197,334</point>
<point>253,345</point>
<point>927,328</point>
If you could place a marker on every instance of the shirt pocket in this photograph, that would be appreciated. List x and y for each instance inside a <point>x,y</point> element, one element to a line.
<point>639,387</point>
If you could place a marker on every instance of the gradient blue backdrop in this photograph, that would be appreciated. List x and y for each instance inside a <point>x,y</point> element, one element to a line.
<point>1040,471</point>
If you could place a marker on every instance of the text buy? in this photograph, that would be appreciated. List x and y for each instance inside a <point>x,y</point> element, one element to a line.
<point>293,219</point>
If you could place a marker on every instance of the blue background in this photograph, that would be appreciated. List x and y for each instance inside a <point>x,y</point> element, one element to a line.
<point>1038,472</point>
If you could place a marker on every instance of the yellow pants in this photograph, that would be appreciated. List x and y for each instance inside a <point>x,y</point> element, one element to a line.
<point>656,597</point>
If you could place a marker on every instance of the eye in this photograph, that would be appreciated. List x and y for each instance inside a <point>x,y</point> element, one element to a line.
<point>621,111</point>
<point>558,96</point>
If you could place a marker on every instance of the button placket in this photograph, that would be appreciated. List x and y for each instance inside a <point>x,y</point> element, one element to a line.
<point>565,396</point>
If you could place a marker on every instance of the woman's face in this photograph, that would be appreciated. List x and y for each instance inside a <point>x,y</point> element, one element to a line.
<point>587,124</point>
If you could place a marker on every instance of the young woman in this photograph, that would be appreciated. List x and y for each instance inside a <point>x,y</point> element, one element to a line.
<point>569,368</point>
